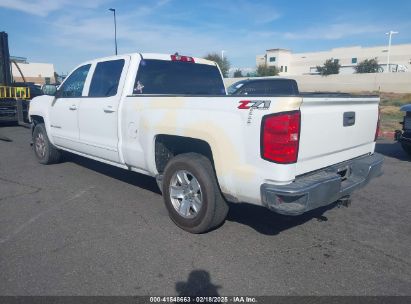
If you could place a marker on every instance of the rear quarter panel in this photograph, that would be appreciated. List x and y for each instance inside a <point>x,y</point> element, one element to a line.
<point>232,133</point>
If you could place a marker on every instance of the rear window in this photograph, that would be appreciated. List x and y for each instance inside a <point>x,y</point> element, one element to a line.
<point>178,78</point>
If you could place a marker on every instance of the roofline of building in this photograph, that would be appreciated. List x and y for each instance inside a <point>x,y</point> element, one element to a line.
<point>337,48</point>
<point>278,49</point>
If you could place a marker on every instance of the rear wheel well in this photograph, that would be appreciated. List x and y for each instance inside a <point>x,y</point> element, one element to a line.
<point>168,146</point>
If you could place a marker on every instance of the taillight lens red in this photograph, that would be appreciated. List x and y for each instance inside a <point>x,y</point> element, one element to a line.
<point>377,131</point>
<point>280,136</point>
<point>182,58</point>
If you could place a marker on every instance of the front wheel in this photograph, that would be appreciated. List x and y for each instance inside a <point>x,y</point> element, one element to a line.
<point>44,151</point>
<point>191,193</point>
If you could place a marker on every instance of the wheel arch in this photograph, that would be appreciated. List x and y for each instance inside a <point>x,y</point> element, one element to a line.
<point>36,119</point>
<point>167,146</point>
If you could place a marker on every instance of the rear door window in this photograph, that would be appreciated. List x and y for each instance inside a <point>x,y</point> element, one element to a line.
<point>106,78</point>
<point>178,78</point>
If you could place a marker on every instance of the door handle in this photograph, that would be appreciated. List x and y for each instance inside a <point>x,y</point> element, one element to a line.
<point>73,107</point>
<point>109,109</point>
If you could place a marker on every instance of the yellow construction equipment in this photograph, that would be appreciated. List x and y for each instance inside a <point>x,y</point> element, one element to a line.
<point>8,92</point>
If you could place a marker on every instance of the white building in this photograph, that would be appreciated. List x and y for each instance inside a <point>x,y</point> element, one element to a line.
<point>38,73</point>
<point>305,63</point>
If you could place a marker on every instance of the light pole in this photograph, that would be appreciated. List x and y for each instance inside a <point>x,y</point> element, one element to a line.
<point>222,55</point>
<point>390,33</point>
<point>115,27</point>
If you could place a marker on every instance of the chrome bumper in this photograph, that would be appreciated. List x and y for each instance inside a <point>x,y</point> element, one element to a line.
<point>322,187</point>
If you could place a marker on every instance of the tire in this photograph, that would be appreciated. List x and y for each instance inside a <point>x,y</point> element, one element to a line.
<point>406,148</point>
<point>44,151</point>
<point>182,199</point>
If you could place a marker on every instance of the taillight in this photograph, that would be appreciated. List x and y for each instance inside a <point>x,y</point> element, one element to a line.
<point>182,58</point>
<point>280,136</point>
<point>377,130</point>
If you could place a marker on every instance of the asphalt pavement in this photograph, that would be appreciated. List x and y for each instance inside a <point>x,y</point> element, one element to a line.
<point>85,228</point>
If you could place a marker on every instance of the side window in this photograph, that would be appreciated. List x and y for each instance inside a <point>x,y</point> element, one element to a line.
<point>106,78</point>
<point>73,86</point>
<point>280,87</point>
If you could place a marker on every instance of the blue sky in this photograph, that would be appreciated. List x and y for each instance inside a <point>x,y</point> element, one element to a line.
<point>67,32</point>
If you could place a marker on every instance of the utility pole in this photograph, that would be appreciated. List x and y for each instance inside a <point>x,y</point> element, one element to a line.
<point>115,27</point>
<point>390,33</point>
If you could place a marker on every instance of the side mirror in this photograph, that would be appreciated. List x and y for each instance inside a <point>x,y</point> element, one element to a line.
<point>49,89</point>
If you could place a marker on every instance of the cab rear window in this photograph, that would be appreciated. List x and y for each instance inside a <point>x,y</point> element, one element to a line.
<point>178,78</point>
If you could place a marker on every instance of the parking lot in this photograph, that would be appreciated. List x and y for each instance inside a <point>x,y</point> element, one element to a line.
<point>85,228</point>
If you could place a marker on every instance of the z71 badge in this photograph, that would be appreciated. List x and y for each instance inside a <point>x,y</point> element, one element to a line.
<point>254,104</point>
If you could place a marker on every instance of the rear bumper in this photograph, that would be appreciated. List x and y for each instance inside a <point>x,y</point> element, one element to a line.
<point>322,187</point>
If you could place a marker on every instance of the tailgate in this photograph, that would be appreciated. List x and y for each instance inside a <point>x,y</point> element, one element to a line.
<point>334,130</point>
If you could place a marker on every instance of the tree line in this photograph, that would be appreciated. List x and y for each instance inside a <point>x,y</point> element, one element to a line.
<point>224,64</point>
<point>331,66</point>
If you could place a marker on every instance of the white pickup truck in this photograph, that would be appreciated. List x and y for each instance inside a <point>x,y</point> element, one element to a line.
<point>168,116</point>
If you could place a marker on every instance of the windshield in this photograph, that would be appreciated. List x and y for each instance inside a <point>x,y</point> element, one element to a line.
<point>235,86</point>
<point>267,87</point>
<point>178,78</point>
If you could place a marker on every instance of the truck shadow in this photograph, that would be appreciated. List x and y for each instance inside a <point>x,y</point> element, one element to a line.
<point>258,218</point>
<point>132,178</point>
<point>270,223</point>
<point>392,149</point>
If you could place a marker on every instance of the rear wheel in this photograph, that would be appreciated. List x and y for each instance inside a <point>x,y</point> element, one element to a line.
<point>44,151</point>
<point>191,193</point>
